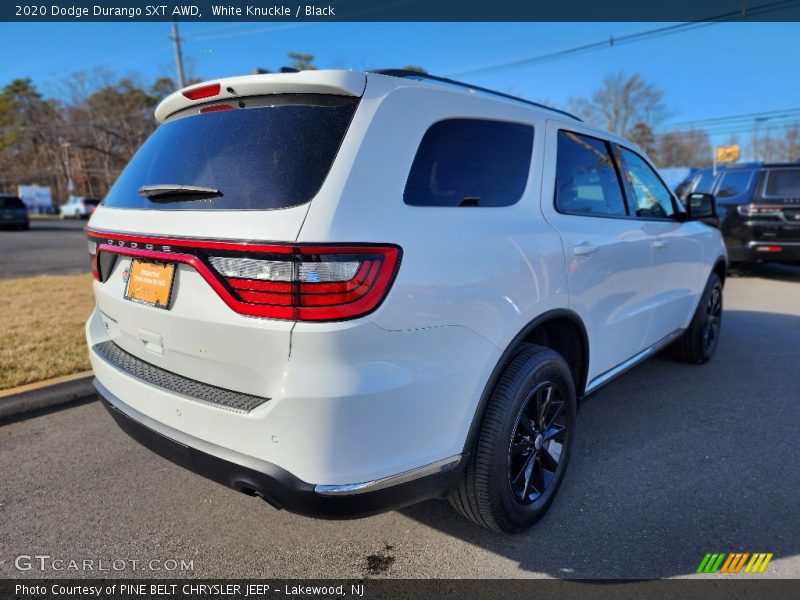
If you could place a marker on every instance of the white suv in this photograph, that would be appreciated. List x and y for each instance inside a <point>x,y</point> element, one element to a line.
<point>346,292</point>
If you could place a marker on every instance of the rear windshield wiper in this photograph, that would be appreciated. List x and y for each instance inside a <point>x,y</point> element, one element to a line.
<point>164,192</point>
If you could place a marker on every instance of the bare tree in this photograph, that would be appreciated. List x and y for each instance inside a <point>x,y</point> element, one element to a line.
<point>106,121</point>
<point>641,135</point>
<point>764,146</point>
<point>622,103</point>
<point>690,148</point>
<point>791,144</point>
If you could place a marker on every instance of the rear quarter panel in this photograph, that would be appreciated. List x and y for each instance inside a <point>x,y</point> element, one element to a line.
<point>491,270</point>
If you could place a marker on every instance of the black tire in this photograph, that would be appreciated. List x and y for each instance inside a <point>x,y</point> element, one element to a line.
<point>699,341</point>
<point>488,494</point>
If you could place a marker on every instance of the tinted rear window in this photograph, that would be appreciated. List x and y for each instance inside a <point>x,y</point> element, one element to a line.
<point>783,182</point>
<point>273,156</point>
<point>91,201</point>
<point>470,162</point>
<point>11,202</point>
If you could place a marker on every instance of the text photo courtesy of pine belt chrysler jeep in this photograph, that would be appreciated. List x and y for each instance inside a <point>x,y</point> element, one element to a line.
<point>346,292</point>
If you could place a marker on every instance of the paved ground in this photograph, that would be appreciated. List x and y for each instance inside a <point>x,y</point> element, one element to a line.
<point>51,246</point>
<point>671,462</point>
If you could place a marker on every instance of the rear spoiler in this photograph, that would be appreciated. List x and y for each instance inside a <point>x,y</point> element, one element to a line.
<point>337,83</point>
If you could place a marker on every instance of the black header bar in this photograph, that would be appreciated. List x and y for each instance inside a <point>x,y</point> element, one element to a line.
<point>283,11</point>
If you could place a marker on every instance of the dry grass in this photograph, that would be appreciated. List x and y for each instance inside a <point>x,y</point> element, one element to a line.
<point>41,327</point>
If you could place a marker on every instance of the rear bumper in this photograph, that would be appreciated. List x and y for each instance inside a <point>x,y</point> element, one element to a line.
<point>276,485</point>
<point>15,222</point>
<point>765,251</point>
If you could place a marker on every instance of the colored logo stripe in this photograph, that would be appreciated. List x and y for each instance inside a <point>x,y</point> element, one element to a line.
<point>758,563</point>
<point>732,562</point>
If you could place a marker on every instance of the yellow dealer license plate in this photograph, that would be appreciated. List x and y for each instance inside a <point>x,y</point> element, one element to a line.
<point>150,283</point>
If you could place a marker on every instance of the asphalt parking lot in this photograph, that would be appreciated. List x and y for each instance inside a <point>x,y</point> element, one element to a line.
<point>671,461</point>
<point>50,246</point>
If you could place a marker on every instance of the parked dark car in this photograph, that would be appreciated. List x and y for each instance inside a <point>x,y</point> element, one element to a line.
<point>759,209</point>
<point>13,213</point>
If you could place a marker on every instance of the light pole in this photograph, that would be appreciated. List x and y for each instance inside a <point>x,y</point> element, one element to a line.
<point>176,40</point>
<point>68,168</point>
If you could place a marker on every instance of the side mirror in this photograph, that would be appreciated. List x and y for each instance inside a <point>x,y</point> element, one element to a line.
<point>702,207</point>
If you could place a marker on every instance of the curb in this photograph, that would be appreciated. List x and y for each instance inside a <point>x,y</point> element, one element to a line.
<point>45,394</point>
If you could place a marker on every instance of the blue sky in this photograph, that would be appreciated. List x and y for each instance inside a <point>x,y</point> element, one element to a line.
<point>717,70</point>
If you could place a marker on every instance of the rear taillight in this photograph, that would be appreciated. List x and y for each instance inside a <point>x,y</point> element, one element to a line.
<point>759,210</point>
<point>102,262</point>
<point>93,258</point>
<point>293,282</point>
<point>312,284</point>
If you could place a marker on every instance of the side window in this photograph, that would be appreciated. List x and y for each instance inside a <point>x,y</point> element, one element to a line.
<point>704,181</point>
<point>652,198</point>
<point>586,180</point>
<point>734,183</point>
<point>470,162</point>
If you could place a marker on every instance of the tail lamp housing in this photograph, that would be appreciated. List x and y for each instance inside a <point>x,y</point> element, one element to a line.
<point>301,282</point>
<point>760,210</point>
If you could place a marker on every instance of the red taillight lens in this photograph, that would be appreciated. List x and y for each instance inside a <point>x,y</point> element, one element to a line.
<point>318,284</point>
<point>93,257</point>
<point>277,281</point>
<point>203,91</point>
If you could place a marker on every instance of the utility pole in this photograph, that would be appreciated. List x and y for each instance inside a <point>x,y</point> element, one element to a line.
<point>176,40</point>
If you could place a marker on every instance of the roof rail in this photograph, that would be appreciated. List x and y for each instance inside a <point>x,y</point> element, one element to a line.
<point>407,74</point>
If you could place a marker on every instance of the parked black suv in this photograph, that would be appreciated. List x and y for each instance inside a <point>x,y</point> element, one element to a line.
<point>13,213</point>
<point>759,209</point>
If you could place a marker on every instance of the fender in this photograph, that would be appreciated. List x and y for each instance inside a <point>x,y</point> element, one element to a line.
<point>510,352</point>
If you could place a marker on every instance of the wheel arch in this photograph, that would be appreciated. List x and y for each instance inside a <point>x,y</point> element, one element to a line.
<point>555,329</point>
<point>721,269</point>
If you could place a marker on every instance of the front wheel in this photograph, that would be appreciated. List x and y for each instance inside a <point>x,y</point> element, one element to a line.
<point>699,341</point>
<point>523,445</point>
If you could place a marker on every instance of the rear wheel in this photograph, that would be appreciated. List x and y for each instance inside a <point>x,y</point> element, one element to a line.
<point>699,341</point>
<point>523,446</point>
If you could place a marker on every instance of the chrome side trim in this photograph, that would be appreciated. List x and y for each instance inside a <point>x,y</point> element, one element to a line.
<point>621,368</point>
<point>378,484</point>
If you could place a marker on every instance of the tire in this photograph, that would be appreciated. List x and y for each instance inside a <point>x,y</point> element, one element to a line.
<point>512,457</point>
<point>699,341</point>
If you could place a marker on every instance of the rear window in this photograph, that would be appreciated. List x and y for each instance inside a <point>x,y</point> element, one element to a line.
<point>91,201</point>
<point>734,183</point>
<point>783,182</point>
<point>11,202</point>
<point>275,155</point>
<point>470,162</point>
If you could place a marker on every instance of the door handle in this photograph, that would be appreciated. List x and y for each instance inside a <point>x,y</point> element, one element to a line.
<point>584,249</point>
<point>660,244</point>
